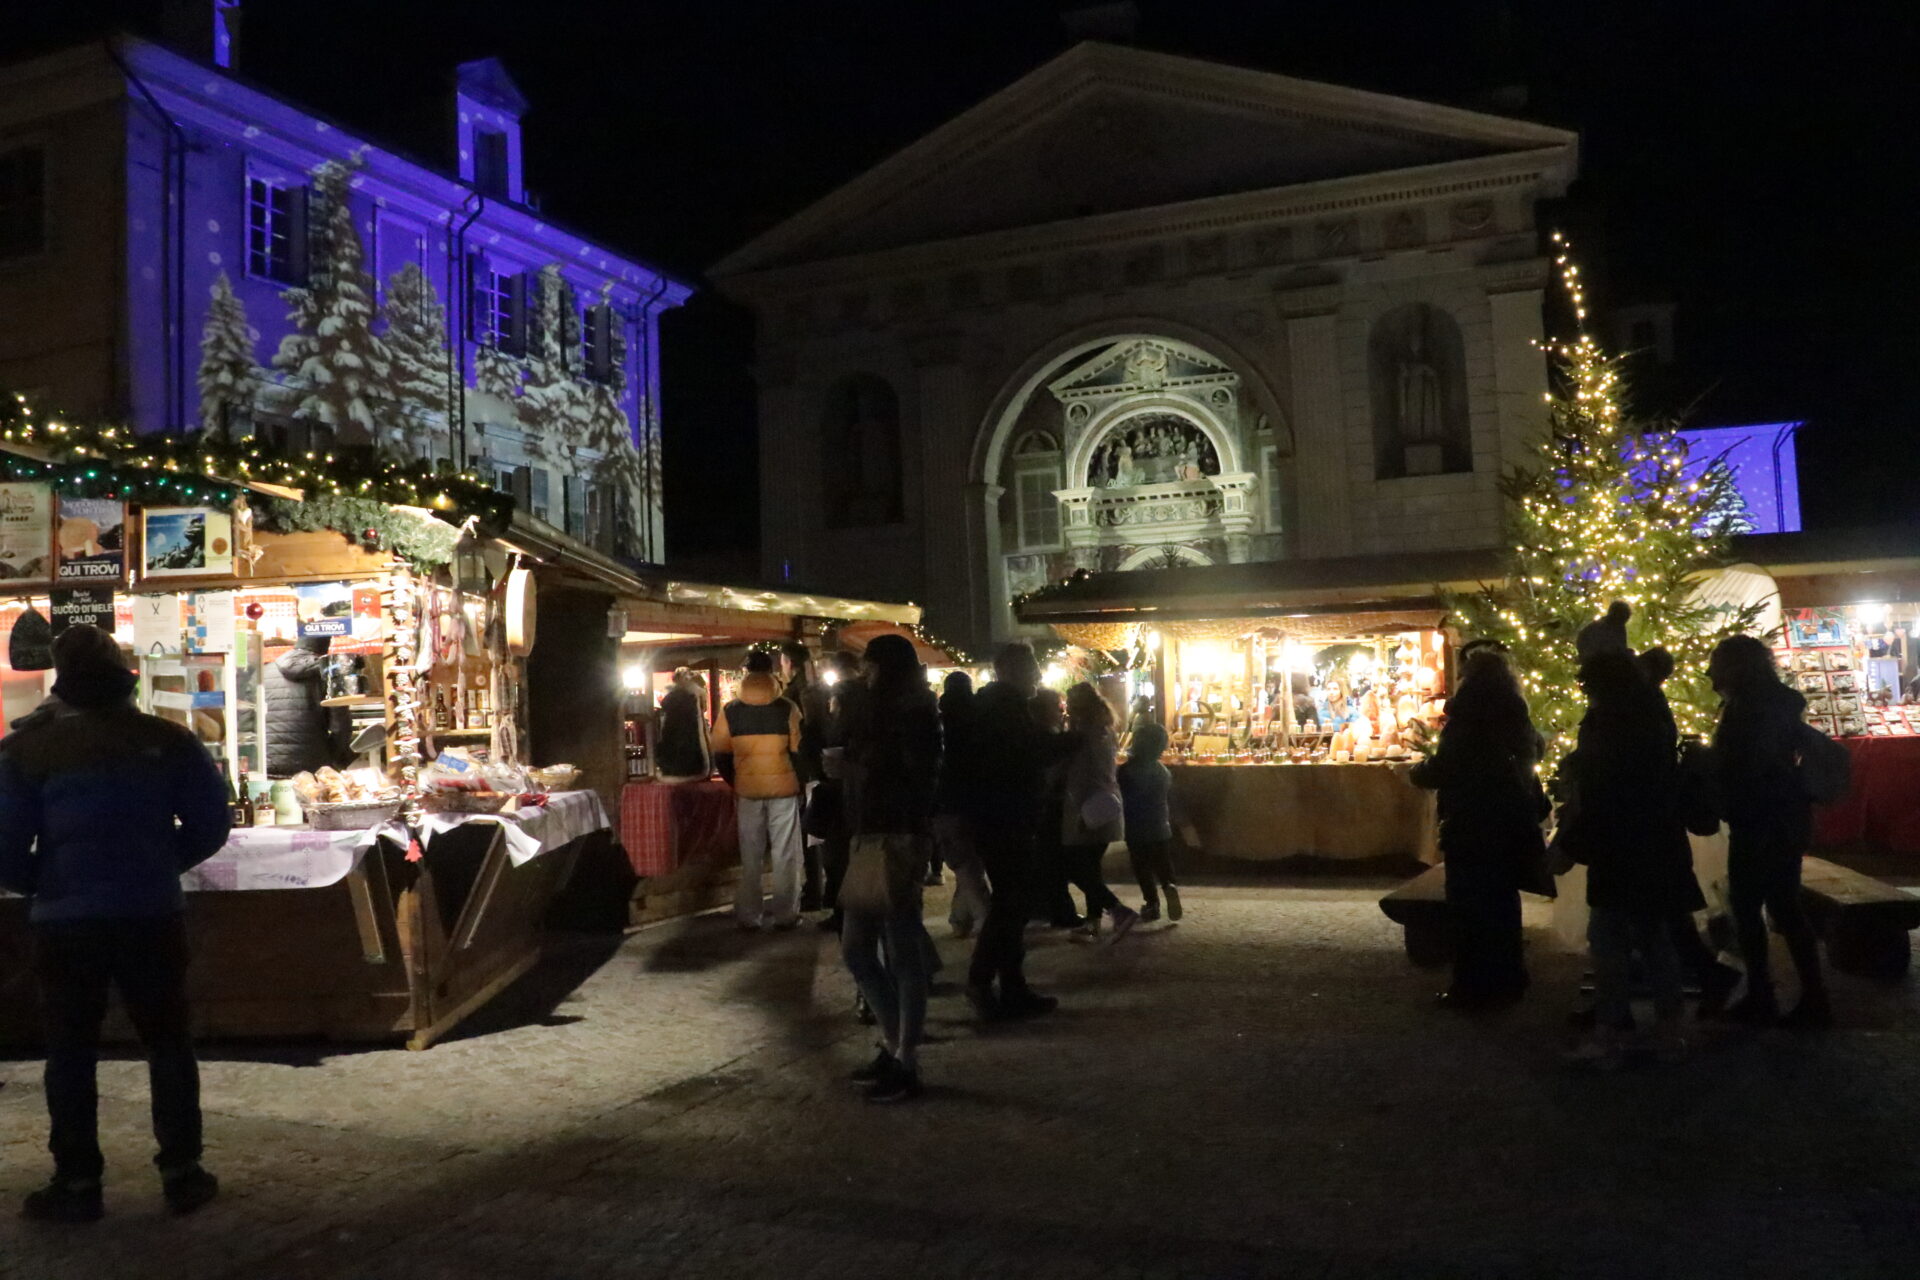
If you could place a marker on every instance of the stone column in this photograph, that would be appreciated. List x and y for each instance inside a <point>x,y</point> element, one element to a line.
<point>1322,524</point>
<point>790,479</point>
<point>983,531</point>
<point>952,565</point>
<point>1515,294</point>
<point>1236,512</point>
<point>1077,528</point>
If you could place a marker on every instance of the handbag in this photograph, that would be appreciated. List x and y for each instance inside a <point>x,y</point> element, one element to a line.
<point>883,873</point>
<point>1100,809</point>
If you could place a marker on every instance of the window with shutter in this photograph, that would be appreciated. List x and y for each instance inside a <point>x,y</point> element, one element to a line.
<point>276,230</point>
<point>541,488</point>
<point>574,491</point>
<point>490,162</point>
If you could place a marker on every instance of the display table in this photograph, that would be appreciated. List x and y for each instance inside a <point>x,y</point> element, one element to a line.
<point>299,933</point>
<point>1882,806</point>
<point>665,826</point>
<point>1264,812</point>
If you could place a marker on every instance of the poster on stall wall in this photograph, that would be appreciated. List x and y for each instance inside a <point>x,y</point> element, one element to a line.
<point>181,541</point>
<point>72,606</point>
<point>156,624</point>
<point>26,534</point>
<point>326,609</point>
<point>210,622</point>
<point>90,540</point>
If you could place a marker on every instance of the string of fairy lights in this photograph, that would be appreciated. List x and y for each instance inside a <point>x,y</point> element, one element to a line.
<point>92,459</point>
<point>1609,510</point>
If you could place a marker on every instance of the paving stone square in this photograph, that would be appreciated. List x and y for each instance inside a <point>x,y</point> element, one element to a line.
<point>1264,1089</point>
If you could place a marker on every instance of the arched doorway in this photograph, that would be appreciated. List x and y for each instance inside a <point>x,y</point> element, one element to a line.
<point>1158,438</point>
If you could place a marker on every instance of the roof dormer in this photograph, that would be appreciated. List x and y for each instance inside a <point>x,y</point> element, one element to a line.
<point>488,107</point>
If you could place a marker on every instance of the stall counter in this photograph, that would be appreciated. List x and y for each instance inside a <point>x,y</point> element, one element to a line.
<point>1343,812</point>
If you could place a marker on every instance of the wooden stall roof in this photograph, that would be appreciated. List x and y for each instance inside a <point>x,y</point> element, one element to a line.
<point>1826,567</point>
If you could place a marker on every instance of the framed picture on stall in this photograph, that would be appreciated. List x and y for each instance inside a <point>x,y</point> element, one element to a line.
<point>26,534</point>
<point>1816,628</point>
<point>90,540</point>
<point>186,541</point>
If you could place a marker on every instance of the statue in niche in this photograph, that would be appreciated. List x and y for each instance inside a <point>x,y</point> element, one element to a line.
<point>1155,449</point>
<point>1419,393</point>
<point>861,463</point>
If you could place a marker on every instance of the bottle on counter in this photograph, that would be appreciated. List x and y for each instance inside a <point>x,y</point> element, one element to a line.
<point>243,815</point>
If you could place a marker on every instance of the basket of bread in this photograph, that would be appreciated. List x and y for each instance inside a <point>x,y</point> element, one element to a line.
<point>345,801</point>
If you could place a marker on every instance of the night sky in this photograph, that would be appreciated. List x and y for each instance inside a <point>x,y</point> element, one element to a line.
<point>1745,161</point>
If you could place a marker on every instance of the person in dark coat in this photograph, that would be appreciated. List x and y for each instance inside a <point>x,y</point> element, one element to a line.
<point>302,735</point>
<point>1624,821</point>
<point>892,758</point>
<point>952,839</point>
<point>802,692</point>
<point>101,810</point>
<point>1008,757</point>
<point>1052,900</point>
<point>1145,786</point>
<point>827,818</point>
<point>1092,812</point>
<point>1491,807</point>
<point>682,751</point>
<point>1769,826</point>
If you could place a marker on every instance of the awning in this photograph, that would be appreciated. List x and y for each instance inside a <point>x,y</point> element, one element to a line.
<point>856,636</point>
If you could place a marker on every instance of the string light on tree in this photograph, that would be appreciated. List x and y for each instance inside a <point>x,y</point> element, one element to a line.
<point>1607,508</point>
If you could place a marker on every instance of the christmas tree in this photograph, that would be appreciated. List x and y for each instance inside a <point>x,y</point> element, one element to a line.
<point>416,339</point>
<point>339,364</point>
<point>1607,508</point>
<point>229,376</point>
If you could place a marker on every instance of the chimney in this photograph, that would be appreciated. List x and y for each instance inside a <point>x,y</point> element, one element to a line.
<point>1116,22</point>
<point>207,29</point>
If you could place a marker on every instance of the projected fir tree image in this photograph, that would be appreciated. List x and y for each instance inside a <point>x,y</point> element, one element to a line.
<point>1609,508</point>
<point>333,353</point>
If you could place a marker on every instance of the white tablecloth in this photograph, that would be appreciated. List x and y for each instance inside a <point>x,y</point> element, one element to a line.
<point>534,829</point>
<point>295,858</point>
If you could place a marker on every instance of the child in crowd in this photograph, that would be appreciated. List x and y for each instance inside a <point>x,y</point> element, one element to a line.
<point>1144,783</point>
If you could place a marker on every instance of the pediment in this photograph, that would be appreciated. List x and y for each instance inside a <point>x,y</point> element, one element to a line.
<point>1103,130</point>
<point>1142,365</point>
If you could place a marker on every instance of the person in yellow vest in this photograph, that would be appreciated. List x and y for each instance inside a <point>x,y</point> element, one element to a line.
<point>756,747</point>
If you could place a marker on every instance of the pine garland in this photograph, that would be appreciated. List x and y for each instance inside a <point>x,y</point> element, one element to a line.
<point>1608,508</point>
<point>424,544</point>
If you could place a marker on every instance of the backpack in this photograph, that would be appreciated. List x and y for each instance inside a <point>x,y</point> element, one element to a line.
<point>1825,767</point>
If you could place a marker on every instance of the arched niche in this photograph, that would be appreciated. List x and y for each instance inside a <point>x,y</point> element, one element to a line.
<point>860,469</point>
<point>1417,382</point>
<point>1170,556</point>
<point>1145,442</point>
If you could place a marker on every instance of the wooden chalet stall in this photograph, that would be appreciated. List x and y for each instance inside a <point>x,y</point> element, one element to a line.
<point>597,695</point>
<point>1289,691</point>
<point>368,904</point>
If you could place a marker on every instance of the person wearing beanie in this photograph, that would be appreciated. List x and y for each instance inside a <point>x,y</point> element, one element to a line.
<point>101,810</point>
<point>1144,786</point>
<point>1606,634</point>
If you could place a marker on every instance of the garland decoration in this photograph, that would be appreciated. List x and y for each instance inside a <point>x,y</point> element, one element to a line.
<point>424,544</point>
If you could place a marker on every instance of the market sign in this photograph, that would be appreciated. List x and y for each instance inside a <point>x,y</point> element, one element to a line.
<point>90,540</point>
<point>76,606</point>
<point>26,542</point>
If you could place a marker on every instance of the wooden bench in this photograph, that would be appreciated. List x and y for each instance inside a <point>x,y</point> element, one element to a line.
<point>1865,922</point>
<point>1420,907</point>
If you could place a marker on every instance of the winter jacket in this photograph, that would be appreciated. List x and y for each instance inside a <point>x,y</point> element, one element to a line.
<point>894,751</point>
<point>1490,806</point>
<point>1144,787</point>
<point>302,735</point>
<point>956,729</point>
<point>1754,750</point>
<point>1625,818</point>
<point>102,809</point>
<point>1005,766</point>
<point>682,749</point>
<point>1091,771</point>
<point>756,741</point>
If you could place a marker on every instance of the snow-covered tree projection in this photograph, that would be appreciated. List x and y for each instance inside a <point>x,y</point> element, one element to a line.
<point>338,364</point>
<point>416,339</point>
<point>229,376</point>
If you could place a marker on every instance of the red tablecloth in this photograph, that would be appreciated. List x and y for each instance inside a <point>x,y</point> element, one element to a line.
<point>666,825</point>
<point>1883,802</point>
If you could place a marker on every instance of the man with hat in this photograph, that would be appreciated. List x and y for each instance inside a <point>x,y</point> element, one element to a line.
<point>101,810</point>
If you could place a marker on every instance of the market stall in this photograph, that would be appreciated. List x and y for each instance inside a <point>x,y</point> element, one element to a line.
<point>394,877</point>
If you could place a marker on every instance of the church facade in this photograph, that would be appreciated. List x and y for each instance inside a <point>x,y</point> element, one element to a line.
<point>1139,310</point>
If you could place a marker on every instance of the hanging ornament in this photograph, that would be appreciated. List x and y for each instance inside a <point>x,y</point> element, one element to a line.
<point>256,610</point>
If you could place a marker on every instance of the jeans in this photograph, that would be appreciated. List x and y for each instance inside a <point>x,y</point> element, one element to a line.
<point>1006,854</point>
<point>1614,937</point>
<point>887,954</point>
<point>769,827</point>
<point>146,959</point>
<point>1084,873</point>
<point>970,893</point>
<point>1152,867</point>
<point>1763,872</point>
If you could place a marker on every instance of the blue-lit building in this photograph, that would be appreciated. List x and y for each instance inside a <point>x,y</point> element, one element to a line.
<point>181,248</point>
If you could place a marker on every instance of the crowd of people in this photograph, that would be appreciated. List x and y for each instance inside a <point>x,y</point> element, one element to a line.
<point>1628,795</point>
<point>858,789</point>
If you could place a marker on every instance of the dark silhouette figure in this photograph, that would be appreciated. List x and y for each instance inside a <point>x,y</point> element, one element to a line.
<point>1769,826</point>
<point>1091,813</point>
<point>1491,806</point>
<point>1144,787</point>
<point>952,838</point>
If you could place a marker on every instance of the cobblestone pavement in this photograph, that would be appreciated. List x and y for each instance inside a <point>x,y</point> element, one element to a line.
<point>1263,1090</point>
